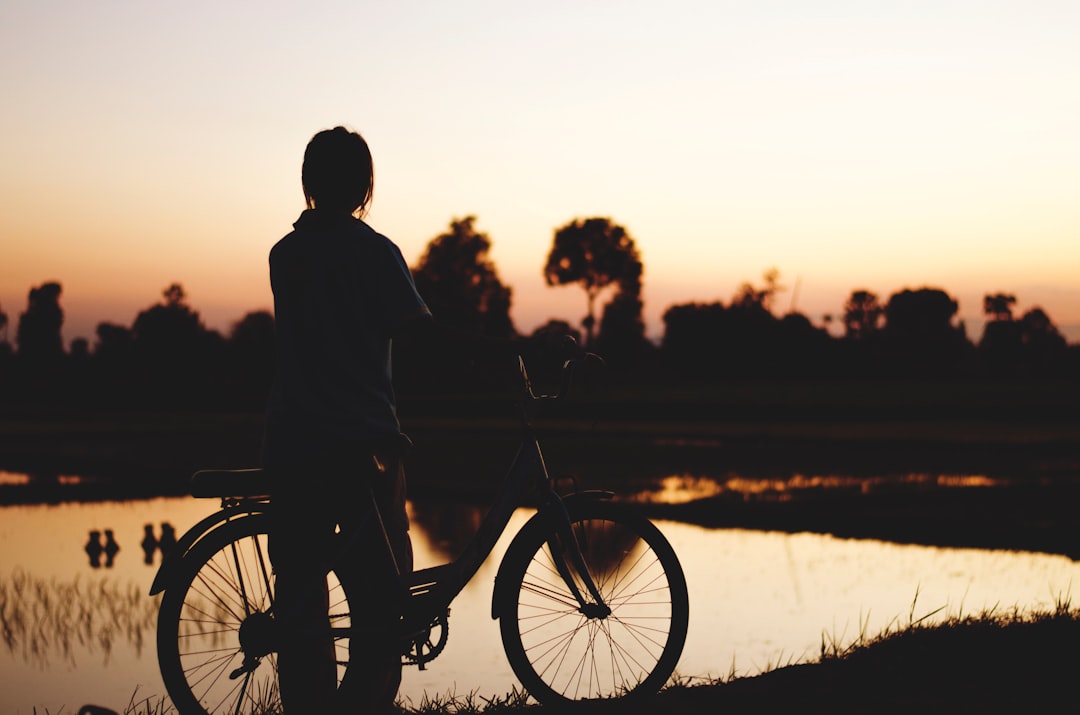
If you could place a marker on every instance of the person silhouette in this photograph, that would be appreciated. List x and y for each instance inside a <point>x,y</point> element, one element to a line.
<point>111,547</point>
<point>94,549</point>
<point>342,292</point>
<point>343,295</point>
<point>149,544</point>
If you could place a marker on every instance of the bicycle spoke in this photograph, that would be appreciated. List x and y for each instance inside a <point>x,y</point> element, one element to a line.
<point>561,655</point>
<point>229,582</point>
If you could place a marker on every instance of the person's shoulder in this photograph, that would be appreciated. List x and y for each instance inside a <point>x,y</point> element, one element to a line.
<point>283,244</point>
<point>366,231</point>
<point>373,240</point>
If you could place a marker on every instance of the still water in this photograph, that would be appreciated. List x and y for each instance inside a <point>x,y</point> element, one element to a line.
<point>78,630</point>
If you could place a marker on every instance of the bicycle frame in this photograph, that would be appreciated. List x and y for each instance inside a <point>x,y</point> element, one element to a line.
<point>439,585</point>
<point>219,620</point>
<point>430,590</point>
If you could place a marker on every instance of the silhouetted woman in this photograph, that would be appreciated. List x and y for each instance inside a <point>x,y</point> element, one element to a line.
<point>341,293</point>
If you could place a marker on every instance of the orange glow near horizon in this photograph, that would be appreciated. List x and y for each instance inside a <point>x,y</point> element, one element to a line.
<point>849,147</point>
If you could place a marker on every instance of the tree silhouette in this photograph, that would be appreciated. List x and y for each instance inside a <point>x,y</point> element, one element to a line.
<point>252,357</point>
<point>921,315</point>
<point>80,349</point>
<point>920,335</point>
<point>1000,348</point>
<point>254,333</point>
<point>747,297</point>
<point>178,359</point>
<point>807,351</point>
<point>622,329</point>
<point>595,253</point>
<point>998,306</point>
<point>113,342</point>
<point>621,339</point>
<point>555,329</point>
<point>694,341</point>
<point>1044,346</point>
<point>749,317</point>
<point>170,328</point>
<point>458,280</point>
<point>862,315</point>
<point>1029,347</point>
<point>38,334</point>
<point>6,359</point>
<point>707,341</point>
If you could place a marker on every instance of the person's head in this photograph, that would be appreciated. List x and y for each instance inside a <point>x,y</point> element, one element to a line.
<point>338,174</point>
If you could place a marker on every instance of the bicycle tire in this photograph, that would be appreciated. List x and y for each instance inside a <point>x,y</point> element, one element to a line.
<point>219,589</point>
<point>563,657</point>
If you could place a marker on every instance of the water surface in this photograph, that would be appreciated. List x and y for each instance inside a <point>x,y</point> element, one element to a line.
<point>76,634</point>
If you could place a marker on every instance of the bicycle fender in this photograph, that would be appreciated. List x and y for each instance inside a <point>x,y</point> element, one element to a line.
<point>542,520</point>
<point>171,561</point>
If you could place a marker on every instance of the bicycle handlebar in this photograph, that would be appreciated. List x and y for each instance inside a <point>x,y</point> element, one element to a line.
<point>567,374</point>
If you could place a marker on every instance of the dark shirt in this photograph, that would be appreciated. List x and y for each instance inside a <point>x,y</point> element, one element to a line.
<point>341,292</point>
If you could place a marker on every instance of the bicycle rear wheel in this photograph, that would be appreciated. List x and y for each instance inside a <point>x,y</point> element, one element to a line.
<point>216,631</point>
<point>562,655</point>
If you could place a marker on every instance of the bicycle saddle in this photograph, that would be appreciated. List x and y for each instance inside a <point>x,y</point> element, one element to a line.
<point>230,483</point>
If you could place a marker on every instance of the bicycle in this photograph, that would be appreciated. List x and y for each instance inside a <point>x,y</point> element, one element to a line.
<point>591,599</point>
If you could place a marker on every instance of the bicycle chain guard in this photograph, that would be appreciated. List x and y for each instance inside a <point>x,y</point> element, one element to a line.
<point>427,644</point>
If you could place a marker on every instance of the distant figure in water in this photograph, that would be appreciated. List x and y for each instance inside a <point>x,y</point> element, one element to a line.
<point>149,544</point>
<point>94,549</point>
<point>168,538</point>
<point>111,547</point>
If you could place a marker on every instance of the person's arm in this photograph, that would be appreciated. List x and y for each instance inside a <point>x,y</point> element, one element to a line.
<point>495,353</point>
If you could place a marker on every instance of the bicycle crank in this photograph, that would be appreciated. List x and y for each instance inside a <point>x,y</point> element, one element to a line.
<point>425,645</point>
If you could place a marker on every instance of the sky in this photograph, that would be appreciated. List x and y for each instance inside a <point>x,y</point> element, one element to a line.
<point>848,144</point>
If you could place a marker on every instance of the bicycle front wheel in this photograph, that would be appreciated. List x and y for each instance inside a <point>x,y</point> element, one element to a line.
<point>216,635</point>
<point>563,653</point>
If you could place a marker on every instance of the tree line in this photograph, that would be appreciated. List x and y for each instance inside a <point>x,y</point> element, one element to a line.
<point>168,357</point>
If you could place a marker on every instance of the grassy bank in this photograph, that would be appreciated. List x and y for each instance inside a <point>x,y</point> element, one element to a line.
<point>1004,661</point>
<point>997,662</point>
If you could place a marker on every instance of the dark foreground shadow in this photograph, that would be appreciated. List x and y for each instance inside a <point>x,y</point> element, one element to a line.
<point>967,667</point>
<point>990,666</point>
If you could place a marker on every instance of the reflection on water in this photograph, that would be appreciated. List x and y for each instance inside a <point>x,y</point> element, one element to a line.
<point>446,527</point>
<point>74,635</point>
<point>151,544</point>
<point>605,548</point>
<point>95,548</point>
<point>679,489</point>
<point>13,478</point>
<point>47,622</point>
<point>39,478</point>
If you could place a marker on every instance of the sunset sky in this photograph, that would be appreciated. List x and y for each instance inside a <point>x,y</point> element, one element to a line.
<point>850,144</point>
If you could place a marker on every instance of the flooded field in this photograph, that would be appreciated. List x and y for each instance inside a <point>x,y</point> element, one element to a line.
<point>78,625</point>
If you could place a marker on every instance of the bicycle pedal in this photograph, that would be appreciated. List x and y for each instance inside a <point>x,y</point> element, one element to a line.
<point>249,665</point>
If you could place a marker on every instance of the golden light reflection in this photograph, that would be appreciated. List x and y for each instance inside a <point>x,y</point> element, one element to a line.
<point>13,478</point>
<point>680,489</point>
<point>18,479</point>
